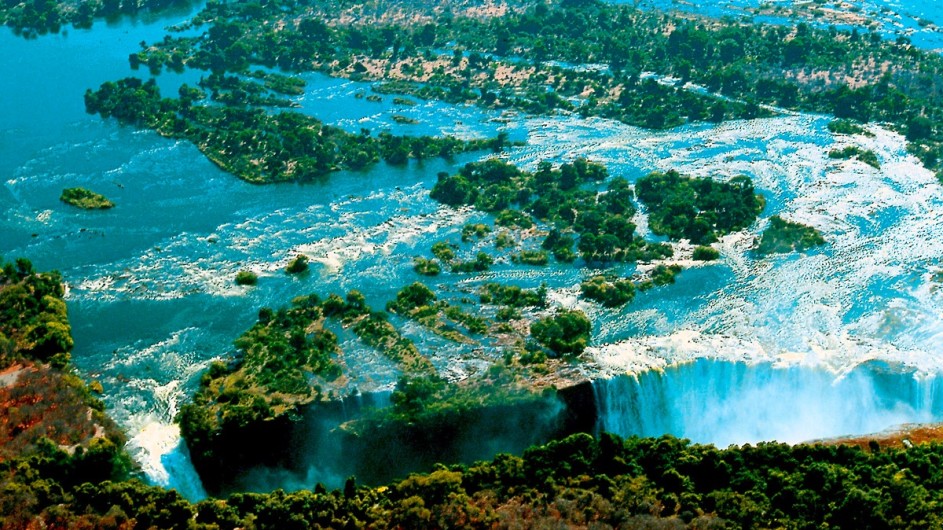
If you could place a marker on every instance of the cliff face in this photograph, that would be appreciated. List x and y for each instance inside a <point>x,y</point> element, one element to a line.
<point>379,437</point>
<point>285,405</point>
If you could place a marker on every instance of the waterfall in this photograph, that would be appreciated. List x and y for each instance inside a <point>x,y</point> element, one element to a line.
<point>727,403</point>
<point>181,475</point>
<point>164,459</point>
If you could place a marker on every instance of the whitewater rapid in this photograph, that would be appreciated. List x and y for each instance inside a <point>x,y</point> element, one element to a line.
<point>811,327</point>
<point>870,294</point>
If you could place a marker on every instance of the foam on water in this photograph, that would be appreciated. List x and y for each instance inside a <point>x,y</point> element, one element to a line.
<point>806,322</point>
<point>145,386</point>
<point>366,231</point>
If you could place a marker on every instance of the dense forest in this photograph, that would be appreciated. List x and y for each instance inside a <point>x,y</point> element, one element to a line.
<point>577,482</point>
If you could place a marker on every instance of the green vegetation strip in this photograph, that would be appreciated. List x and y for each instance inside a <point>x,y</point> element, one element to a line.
<point>257,146</point>
<point>575,482</point>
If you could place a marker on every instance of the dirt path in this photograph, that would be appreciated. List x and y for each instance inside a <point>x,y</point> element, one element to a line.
<point>9,376</point>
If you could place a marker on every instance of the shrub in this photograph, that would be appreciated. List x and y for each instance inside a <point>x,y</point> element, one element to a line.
<point>246,278</point>
<point>704,253</point>
<point>609,294</point>
<point>297,265</point>
<point>784,236</point>
<point>566,332</point>
<point>426,267</point>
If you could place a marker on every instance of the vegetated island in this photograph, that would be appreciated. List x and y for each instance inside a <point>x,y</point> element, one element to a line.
<point>245,277</point>
<point>85,199</point>
<point>39,17</point>
<point>591,57</point>
<point>854,152</point>
<point>262,147</point>
<point>782,236</point>
<point>570,211</point>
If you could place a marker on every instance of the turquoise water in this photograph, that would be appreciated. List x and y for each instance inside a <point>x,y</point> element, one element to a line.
<point>152,302</point>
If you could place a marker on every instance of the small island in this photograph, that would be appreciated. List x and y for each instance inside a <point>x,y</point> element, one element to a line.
<point>853,152</point>
<point>784,236</point>
<point>85,199</point>
<point>297,265</point>
<point>245,277</point>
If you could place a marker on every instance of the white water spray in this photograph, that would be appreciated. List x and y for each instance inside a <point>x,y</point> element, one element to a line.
<point>734,403</point>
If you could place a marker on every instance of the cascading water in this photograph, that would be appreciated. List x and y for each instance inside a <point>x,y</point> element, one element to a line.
<point>727,403</point>
<point>165,460</point>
